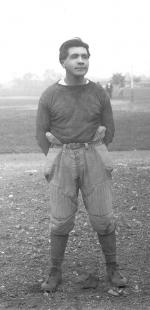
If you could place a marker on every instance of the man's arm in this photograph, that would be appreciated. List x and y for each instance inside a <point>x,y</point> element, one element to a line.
<point>43,124</point>
<point>108,121</point>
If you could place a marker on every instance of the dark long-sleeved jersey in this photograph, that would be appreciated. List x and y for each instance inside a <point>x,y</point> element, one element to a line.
<point>73,114</point>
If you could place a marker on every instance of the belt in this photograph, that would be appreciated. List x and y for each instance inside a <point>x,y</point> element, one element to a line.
<point>78,145</point>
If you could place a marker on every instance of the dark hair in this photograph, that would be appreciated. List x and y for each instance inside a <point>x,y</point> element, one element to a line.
<point>75,42</point>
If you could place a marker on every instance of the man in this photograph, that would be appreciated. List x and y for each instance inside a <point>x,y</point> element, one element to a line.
<point>72,110</point>
<point>109,89</point>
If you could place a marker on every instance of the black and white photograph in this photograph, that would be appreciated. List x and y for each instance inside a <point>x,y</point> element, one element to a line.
<point>74,155</point>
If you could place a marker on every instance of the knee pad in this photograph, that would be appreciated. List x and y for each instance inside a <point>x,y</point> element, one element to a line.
<point>103,225</point>
<point>61,227</point>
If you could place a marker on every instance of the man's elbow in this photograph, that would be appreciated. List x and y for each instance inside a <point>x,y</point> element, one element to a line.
<point>41,143</point>
<point>109,136</point>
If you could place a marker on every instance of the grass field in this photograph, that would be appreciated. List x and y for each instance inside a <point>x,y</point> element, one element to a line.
<point>25,246</point>
<point>140,94</point>
<point>17,127</point>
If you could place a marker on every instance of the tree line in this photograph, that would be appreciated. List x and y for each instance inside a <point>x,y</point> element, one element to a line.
<point>32,85</point>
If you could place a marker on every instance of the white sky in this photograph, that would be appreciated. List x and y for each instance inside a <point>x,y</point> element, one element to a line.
<point>31,32</point>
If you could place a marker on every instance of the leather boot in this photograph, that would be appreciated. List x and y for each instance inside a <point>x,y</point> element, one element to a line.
<point>58,246</point>
<point>108,244</point>
<point>114,275</point>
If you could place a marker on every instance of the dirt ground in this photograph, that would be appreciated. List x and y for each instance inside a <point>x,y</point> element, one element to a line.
<point>24,239</point>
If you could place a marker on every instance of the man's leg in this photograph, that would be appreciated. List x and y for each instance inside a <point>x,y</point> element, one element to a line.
<point>58,246</point>
<point>60,229</point>
<point>108,245</point>
<point>107,238</point>
<point>63,206</point>
<point>99,207</point>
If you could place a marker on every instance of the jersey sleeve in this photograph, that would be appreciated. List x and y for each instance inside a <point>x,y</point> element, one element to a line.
<point>43,124</point>
<point>107,120</point>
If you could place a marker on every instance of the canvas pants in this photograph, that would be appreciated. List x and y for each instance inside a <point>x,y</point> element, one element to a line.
<point>71,170</point>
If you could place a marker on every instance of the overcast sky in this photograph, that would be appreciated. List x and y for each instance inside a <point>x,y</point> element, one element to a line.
<point>31,32</point>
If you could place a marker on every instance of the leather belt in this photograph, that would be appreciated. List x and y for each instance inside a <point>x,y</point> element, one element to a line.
<point>74,146</point>
<point>78,145</point>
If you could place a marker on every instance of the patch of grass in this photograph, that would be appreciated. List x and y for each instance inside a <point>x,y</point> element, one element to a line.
<point>132,131</point>
<point>17,128</point>
<point>140,94</point>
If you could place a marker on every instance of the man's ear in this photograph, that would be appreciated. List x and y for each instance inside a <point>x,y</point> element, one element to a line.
<point>63,64</point>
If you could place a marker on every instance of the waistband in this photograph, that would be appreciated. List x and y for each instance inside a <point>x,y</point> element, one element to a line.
<point>73,146</point>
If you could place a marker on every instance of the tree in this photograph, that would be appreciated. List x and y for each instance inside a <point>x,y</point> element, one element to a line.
<point>118,79</point>
<point>137,79</point>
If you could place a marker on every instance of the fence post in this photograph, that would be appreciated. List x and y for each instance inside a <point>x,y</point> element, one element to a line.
<point>132,87</point>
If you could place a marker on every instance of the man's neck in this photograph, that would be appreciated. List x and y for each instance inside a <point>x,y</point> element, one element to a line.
<point>73,80</point>
<point>62,82</point>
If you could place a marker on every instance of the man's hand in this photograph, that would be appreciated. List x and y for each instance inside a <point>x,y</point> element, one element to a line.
<point>49,136</point>
<point>101,130</point>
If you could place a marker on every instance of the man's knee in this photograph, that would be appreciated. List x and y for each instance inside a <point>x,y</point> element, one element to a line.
<point>103,225</point>
<point>61,227</point>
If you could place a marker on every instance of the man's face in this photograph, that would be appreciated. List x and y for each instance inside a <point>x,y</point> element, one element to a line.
<point>77,61</point>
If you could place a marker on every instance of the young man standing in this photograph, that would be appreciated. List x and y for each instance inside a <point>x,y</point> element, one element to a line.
<point>72,110</point>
